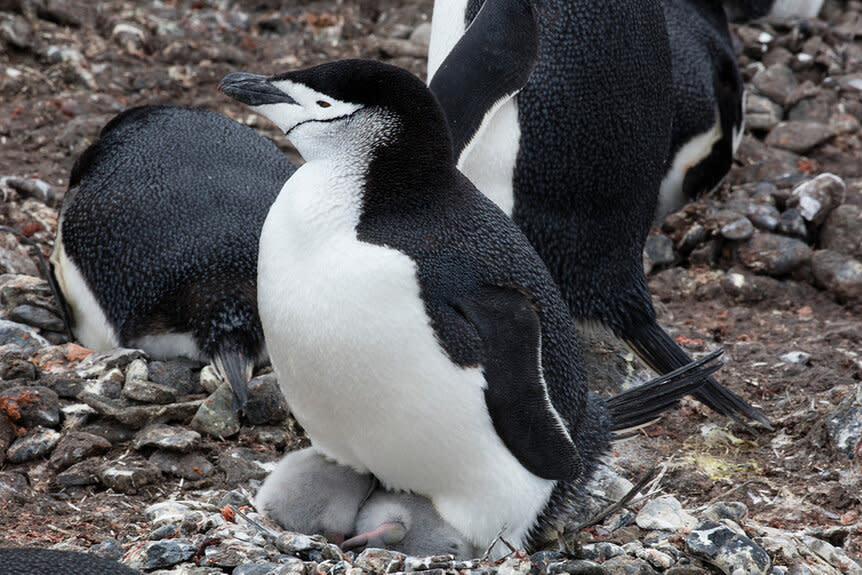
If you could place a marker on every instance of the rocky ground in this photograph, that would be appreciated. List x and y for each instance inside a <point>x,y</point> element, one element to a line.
<point>143,459</point>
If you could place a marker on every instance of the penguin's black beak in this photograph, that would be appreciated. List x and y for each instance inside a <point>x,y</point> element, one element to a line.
<point>253,90</point>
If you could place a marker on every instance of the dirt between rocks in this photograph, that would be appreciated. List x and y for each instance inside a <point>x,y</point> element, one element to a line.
<point>68,66</point>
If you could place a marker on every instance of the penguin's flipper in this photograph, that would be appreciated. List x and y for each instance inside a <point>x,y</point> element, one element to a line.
<point>643,404</point>
<point>491,62</point>
<point>516,394</point>
<point>662,354</point>
<point>236,368</point>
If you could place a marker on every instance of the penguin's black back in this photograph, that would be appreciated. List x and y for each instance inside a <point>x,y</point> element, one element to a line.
<point>706,80</point>
<point>34,561</point>
<point>595,123</point>
<point>163,217</point>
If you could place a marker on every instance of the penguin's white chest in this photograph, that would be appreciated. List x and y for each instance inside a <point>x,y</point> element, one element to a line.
<point>363,372</point>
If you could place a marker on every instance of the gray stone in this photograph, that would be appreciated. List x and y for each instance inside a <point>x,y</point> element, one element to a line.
<point>163,532</point>
<point>665,513</point>
<point>21,289</point>
<point>82,473</point>
<point>840,274</point>
<point>128,475</point>
<point>740,228</point>
<point>764,216</point>
<point>96,364</point>
<point>37,317</point>
<point>796,356</point>
<point>7,436</point>
<point>775,82</point>
<point>31,405</point>
<point>374,560</point>
<point>601,551</point>
<point>109,385</point>
<point>64,386</point>
<point>13,486</point>
<point>659,249</point>
<point>16,336</point>
<point>149,392</point>
<point>241,464</point>
<point>773,255</point>
<point>799,137</point>
<point>693,237</point>
<point>175,373</point>
<point>835,556</point>
<point>210,379</point>
<point>38,442</point>
<point>166,437</point>
<point>257,569</point>
<point>16,31</point>
<point>626,565</point>
<point>266,404</point>
<point>168,552</point>
<point>842,231</point>
<point>791,223</point>
<point>232,552</point>
<point>216,416</point>
<point>730,552</point>
<point>191,466</point>
<point>733,510</point>
<point>816,198</point>
<point>844,424</point>
<point>166,513</point>
<point>761,113</point>
<point>76,446</point>
<point>657,559</point>
<point>576,567</point>
<point>109,549</point>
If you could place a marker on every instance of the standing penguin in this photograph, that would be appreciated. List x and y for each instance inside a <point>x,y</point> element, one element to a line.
<point>750,9</point>
<point>157,241</point>
<point>561,113</point>
<point>416,334</point>
<point>707,97</point>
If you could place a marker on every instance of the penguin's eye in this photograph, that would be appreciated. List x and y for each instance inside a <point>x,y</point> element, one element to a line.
<point>323,104</point>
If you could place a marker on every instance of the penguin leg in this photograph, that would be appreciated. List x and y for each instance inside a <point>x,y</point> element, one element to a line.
<point>661,353</point>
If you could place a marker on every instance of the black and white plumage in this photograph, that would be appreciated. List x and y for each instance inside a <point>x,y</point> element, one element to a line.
<point>416,334</point>
<point>707,98</point>
<point>157,241</point>
<point>576,154</point>
<point>37,561</point>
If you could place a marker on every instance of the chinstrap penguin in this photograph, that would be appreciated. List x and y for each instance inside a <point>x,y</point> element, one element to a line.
<point>37,561</point>
<point>157,241</point>
<point>707,98</point>
<point>561,113</point>
<point>415,332</point>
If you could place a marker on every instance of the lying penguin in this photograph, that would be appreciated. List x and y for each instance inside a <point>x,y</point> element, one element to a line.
<point>35,561</point>
<point>416,334</point>
<point>561,112</point>
<point>157,240</point>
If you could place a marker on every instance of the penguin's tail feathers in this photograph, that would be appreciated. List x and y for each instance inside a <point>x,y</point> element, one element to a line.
<point>236,368</point>
<point>661,353</point>
<point>642,405</point>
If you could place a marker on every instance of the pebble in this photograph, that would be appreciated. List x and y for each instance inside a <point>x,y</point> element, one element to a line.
<point>665,513</point>
<point>174,373</point>
<point>37,317</point>
<point>730,552</point>
<point>816,198</point>
<point>232,552</point>
<point>659,249</point>
<point>76,446</point>
<point>773,254</point>
<point>82,473</point>
<point>109,385</point>
<point>22,338</point>
<point>842,231</point>
<point>775,82</point>
<point>266,404</point>
<point>377,560</point>
<point>761,113</point>
<point>166,437</point>
<point>797,356</point>
<point>168,552</point>
<point>601,551</point>
<point>799,136</point>
<point>96,364</point>
<point>13,485</point>
<point>38,442</point>
<point>764,216</point>
<point>836,557</point>
<point>791,223</point>
<point>129,474</point>
<point>109,549</point>
<point>216,415</point>
<point>30,406</point>
<point>210,379</point>
<point>149,392</point>
<point>844,424</point>
<point>740,228</point>
<point>840,274</point>
<point>166,513</point>
<point>190,466</point>
<point>241,464</point>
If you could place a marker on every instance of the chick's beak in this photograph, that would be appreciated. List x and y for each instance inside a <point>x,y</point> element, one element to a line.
<point>253,90</point>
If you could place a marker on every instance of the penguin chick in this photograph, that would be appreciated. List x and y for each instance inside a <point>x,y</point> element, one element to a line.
<point>308,493</point>
<point>561,112</point>
<point>157,240</point>
<point>36,561</point>
<point>416,334</point>
<point>707,98</point>
<point>407,523</point>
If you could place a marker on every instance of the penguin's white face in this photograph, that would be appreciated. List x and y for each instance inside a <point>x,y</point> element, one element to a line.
<point>313,121</point>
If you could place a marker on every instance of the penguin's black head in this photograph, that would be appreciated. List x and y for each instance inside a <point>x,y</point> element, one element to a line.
<point>340,106</point>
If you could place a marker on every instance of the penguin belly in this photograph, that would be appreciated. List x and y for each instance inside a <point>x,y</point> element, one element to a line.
<point>361,367</point>
<point>489,160</point>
